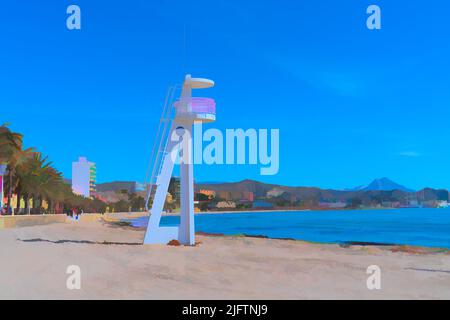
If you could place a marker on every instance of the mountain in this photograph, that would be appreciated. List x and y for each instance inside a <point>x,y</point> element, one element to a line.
<point>385,184</point>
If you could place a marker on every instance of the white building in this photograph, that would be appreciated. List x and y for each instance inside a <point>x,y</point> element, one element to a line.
<point>83,177</point>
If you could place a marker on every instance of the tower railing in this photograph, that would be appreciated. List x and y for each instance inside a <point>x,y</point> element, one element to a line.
<point>195,105</point>
<point>159,147</point>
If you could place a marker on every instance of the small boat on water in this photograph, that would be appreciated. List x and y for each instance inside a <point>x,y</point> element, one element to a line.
<point>443,205</point>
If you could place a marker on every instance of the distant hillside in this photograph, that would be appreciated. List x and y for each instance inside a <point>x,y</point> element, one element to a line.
<point>379,191</point>
<point>129,186</point>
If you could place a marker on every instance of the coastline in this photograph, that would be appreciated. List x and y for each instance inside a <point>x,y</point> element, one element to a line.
<point>290,210</point>
<point>344,244</point>
<point>177,213</point>
<point>117,216</point>
<point>238,211</point>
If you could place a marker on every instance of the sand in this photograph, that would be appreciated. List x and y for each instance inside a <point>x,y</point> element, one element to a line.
<point>114,265</point>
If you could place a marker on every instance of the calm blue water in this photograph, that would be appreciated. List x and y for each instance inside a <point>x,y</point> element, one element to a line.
<point>422,227</point>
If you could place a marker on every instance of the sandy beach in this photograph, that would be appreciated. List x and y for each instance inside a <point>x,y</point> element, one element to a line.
<point>115,265</point>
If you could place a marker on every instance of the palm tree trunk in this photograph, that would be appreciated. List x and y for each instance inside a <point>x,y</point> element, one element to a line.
<point>19,195</point>
<point>26,198</point>
<point>33,201</point>
<point>39,204</point>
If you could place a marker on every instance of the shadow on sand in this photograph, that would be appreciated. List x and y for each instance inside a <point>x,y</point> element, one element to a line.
<point>83,242</point>
<point>428,270</point>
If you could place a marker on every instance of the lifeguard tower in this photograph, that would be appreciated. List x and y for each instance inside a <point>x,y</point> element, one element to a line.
<point>174,141</point>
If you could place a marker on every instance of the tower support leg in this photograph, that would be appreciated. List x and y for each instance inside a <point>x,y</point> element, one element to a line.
<point>187,218</point>
<point>156,234</point>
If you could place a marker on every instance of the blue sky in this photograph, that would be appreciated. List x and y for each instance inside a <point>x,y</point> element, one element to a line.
<point>351,104</point>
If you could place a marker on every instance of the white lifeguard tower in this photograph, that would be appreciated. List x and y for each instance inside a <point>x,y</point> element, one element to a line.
<point>174,141</point>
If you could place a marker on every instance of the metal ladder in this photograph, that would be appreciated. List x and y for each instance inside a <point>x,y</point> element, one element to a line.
<point>159,147</point>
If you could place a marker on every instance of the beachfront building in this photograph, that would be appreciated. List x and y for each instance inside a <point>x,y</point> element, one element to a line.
<point>211,194</point>
<point>226,205</point>
<point>83,177</point>
<point>246,196</point>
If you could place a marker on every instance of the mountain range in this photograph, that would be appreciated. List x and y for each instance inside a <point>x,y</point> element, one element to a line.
<point>378,191</point>
<point>382,184</point>
<point>381,191</point>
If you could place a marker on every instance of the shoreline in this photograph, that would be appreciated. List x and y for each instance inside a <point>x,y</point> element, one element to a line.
<point>284,210</point>
<point>239,211</point>
<point>344,244</point>
<point>300,236</point>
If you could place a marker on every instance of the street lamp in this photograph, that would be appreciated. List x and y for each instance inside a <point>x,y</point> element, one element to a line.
<point>2,173</point>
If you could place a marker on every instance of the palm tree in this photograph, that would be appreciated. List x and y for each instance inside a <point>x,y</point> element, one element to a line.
<point>51,190</point>
<point>38,181</point>
<point>10,142</point>
<point>32,177</point>
<point>10,146</point>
